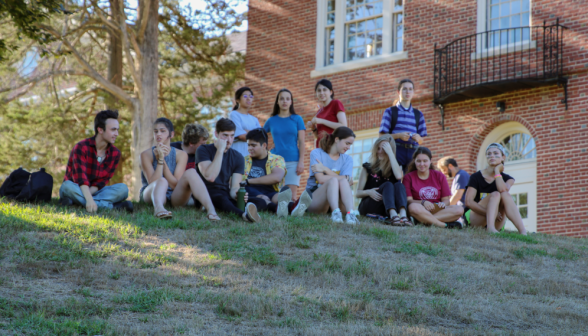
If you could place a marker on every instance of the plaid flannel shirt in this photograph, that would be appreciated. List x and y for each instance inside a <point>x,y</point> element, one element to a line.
<point>83,167</point>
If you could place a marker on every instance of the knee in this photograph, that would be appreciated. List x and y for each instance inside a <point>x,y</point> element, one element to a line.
<point>386,185</point>
<point>495,194</point>
<point>162,180</point>
<point>416,208</point>
<point>457,210</point>
<point>333,182</point>
<point>67,186</point>
<point>505,195</point>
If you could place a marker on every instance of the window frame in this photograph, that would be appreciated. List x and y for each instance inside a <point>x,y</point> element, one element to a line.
<point>482,26</point>
<point>339,65</point>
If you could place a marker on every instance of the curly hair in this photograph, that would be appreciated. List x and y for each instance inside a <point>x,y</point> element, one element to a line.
<point>193,133</point>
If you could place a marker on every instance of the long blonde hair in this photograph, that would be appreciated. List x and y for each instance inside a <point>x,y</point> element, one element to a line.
<point>382,165</point>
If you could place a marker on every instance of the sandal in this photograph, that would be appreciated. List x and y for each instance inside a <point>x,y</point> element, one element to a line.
<point>213,217</point>
<point>163,214</point>
<point>406,222</point>
<point>395,221</point>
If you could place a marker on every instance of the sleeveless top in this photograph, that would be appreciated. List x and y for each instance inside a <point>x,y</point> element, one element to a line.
<point>376,180</point>
<point>170,160</point>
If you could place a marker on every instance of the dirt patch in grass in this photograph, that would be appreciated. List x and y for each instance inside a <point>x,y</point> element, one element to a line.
<point>115,273</point>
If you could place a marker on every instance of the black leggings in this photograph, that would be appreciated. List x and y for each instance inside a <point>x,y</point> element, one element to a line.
<point>223,202</point>
<point>393,197</point>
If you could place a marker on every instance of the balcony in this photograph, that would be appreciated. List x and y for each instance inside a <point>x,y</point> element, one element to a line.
<point>498,61</point>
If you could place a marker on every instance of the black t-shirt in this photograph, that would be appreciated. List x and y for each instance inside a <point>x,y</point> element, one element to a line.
<point>233,163</point>
<point>258,170</point>
<point>191,157</point>
<point>376,180</point>
<point>482,187</point>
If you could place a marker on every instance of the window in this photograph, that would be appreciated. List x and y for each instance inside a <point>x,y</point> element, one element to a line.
<point>356,31</point>
<point>519,146</point>
<point>505,14</point>
<point>521,201</point>
<point>361,151</point>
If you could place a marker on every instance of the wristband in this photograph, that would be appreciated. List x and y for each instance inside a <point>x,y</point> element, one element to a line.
<point>246,182</point>
<point>497,176</point>
<point>423,202</point>
<point>160,162</point>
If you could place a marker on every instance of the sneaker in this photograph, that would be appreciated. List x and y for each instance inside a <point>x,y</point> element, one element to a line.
<point>127,205</point>
<point>251,213</point>
<point>65,201</point>
<point>351,217</point>
<point>303,204</point>
<point>337,216</point>
<point>284,199</point>
<point>454,225</point>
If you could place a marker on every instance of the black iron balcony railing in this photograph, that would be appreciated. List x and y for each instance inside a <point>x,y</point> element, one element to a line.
<point>498,61</point>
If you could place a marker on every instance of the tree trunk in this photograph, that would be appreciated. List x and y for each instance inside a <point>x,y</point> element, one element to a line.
<point>145,111</point>
<point>115,60</point>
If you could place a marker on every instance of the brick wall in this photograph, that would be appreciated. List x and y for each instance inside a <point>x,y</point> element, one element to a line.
<point>281,53</point>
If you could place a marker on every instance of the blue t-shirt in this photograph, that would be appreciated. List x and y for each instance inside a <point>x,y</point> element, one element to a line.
<point>243,122</point>
<point>341,166</point>
<point>460,181</point>
<point>285,134</point>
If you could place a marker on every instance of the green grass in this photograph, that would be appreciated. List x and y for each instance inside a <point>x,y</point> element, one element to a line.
<point>69,273</point>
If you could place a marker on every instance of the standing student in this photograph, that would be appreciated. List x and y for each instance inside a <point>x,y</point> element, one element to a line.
<point>487,196</point>
<point>405,123</point>
<point>287,129</point>
<point>242,119</point>
<point>330,178</point>
<point>428,193</point>
<point>164,175</point>
<point>90,167</point>
<point>222,169</point>
<point>331,113</point>
<point>379,185</point>
<point>193,136</point>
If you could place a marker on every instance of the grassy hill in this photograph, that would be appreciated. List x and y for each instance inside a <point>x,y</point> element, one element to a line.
<point>63,272</point>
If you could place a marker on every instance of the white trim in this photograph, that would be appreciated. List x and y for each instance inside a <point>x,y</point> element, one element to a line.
<point>388,36</point>
<point>359,64</point>
<point>497,135</point>
<point>501,50</point>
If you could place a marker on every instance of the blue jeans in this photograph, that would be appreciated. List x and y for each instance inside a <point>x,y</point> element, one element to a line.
<point>404,156</point>
<point>103,197</point>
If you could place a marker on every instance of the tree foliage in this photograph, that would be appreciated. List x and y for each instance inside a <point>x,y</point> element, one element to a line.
<point>46,107</point>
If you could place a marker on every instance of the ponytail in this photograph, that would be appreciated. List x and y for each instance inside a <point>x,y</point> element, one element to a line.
<point>236,107</point>
<point>327,140</point>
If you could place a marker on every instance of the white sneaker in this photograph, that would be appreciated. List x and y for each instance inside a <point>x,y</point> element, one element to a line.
<point>251,213</point>
<point>284,199</point>
<point>351,217</point>
<point>303,204</point>
<point>337,216</point>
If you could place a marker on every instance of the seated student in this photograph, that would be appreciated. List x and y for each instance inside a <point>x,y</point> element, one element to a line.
<point>487,197</point>
<point>379,185</point>
<point>222,169</point>
<point>193,136</point>
<point>330,178</point>
<point>428,193</point>
<point>448,166</point>
<point>90,167</point>
<point>164,175</point>
<point>264,175</point>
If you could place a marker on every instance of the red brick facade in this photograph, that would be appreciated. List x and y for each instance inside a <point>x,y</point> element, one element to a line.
<point>281,53</point>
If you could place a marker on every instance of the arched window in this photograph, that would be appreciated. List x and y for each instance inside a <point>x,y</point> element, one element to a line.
<point>519,146</point>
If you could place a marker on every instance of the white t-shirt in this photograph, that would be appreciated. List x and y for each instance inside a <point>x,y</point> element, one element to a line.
<point>243,122</point>
<point>341,166</point>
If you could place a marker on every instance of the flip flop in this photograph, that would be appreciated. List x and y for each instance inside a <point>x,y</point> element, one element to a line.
<point>163,214</point>
<point>406,222</point>
<point>213,217</point>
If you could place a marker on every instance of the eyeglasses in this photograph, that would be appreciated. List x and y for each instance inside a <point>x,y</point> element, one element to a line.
<point>247,96</point>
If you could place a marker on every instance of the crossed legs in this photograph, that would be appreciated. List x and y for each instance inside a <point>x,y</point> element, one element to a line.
<point>451,213</point>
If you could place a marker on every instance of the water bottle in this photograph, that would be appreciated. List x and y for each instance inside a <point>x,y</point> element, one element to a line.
<point>241,196</point>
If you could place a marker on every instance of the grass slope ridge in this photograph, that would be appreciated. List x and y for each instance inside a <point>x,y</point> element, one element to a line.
<point>64,272</point>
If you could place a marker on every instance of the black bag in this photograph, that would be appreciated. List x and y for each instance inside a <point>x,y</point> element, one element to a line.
<point>394,121</point>
<point>14,183</point>
<point>38,188</point>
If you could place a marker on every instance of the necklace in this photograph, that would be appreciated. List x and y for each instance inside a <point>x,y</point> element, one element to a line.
<point>99,158</point>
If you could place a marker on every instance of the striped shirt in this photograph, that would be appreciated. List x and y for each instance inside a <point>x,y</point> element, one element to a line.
<point>405,123</point>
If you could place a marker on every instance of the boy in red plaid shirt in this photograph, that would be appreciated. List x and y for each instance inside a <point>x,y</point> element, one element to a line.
<point>90,167</point>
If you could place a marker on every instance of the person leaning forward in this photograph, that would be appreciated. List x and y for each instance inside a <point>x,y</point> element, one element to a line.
<point>90,167</point>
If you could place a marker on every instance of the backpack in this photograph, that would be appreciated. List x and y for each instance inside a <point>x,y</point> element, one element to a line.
<point>394,119</point>
<point>14,183</point>
<point>38,188</point>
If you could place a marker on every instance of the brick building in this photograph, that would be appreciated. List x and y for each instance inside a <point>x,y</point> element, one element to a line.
<point>465,56</point>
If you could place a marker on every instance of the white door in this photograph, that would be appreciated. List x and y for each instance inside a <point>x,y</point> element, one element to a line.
<point>521,164</point>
